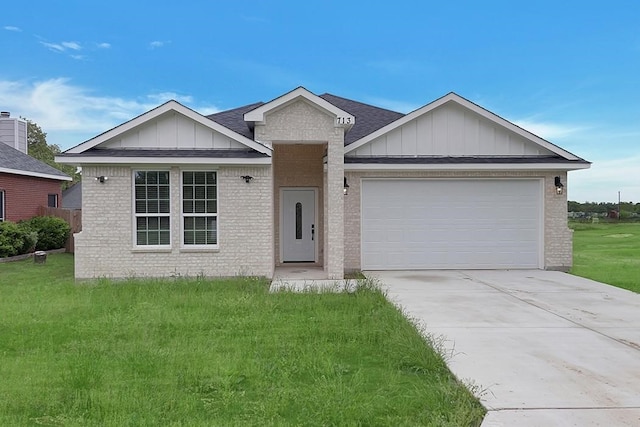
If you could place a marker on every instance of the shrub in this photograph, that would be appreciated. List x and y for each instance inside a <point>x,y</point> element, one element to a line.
<point>15,240</point>
<point>52,231</point>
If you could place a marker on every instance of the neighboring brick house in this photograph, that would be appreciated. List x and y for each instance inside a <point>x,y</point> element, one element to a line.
<point>324,181</point>
<point>25,183</point>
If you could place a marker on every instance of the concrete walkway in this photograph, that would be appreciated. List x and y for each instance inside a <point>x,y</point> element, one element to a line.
<point>546,348</point>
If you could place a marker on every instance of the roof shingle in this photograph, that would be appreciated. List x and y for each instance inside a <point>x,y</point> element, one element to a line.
<point>13,159</point>
<point>368,117</point>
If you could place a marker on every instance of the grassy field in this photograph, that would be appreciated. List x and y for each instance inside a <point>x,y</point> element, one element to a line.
<point>195,352</point>
<point>608,253</point>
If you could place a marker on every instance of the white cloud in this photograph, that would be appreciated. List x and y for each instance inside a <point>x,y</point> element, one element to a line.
<point>71,45</point>
<point>53,46</point>
<point>61,47</point>
<point>71,114</point>
<point>158,44</point>
<point>12,28</point>
<point>549,130</point>
<point>166,96</point>
<point>104,45</point>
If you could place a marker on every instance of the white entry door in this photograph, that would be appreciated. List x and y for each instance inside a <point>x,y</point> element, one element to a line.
<point>298,228</point>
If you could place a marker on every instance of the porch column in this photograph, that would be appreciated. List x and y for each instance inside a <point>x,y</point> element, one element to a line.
<point>334,214</point>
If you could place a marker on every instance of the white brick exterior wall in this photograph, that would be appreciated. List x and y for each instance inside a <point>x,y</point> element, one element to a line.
<point>557,235</point>
<point>105,247</point>
<point>248,213</point>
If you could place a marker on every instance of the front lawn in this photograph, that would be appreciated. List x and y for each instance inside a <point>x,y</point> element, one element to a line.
<point>608,253</point>
<point>197,352</point>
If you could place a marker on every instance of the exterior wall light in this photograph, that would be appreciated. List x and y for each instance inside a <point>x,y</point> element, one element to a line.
<point>101,179</point>
<point>247,178</point>
<point>559,186</point>
<point>345,190</point>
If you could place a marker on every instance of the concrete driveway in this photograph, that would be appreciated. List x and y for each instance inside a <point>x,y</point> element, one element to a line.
<point>547,348</point>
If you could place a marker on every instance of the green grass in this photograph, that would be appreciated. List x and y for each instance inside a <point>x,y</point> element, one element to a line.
<point>195,352</point>
<point>608,253</point>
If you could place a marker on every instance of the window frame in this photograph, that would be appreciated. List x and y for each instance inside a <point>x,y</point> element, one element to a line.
<point>136,215</point>
<point>183,215</point>
<point>2,206</point>
<point>55,200</point>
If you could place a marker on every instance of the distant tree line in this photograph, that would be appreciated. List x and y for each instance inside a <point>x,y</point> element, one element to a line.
<point>627,209</point>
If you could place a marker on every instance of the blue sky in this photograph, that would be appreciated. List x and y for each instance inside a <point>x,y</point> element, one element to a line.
<point>568,71</point>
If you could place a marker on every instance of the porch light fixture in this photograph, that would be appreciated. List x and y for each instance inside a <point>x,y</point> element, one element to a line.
<point>346,187</point>
<point>101,179</point>
<point>559,186</point>
<point>247,178</point>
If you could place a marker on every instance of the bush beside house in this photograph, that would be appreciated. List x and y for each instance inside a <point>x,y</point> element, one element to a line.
<point>40,233</point>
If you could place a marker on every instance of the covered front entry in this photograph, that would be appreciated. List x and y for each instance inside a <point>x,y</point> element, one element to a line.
<point>298,225</point>
<point>451,224</point>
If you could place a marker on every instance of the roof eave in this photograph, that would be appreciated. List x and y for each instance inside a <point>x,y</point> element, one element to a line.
<point>466,166</point>
<point>136,160</point>
<point>35,174</point>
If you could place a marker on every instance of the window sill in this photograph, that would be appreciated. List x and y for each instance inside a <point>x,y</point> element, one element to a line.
<point>139,249</point>
<point>199,249</point>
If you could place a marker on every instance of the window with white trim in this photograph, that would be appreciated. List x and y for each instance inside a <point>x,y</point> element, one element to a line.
<point>199,208</point>
<point>52,200</point>
<point>2,205</point>
<point>152,208</point>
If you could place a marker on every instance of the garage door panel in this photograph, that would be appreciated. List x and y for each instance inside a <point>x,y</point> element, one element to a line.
<point>419,223</point>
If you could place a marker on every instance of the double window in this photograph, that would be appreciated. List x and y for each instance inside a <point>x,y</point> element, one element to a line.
<point>199,208</point>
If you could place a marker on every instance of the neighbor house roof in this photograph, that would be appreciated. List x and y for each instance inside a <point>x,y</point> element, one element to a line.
<point>72,197</point>
<point>18,163</point>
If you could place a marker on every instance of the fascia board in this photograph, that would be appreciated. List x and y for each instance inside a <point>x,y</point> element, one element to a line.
<point>466,167</point>
<point>79,160</point>
<point>35,174</point>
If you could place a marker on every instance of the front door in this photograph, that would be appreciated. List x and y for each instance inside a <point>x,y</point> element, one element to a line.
<point>298,228</point>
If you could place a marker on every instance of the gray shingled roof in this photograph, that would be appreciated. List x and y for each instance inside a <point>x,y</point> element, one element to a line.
<point>368,118</point>
<point>234,119</point>
<point>10,158</point>
<point>72,197</point>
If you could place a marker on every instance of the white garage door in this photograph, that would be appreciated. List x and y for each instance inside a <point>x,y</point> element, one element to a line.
<point>451,224</point>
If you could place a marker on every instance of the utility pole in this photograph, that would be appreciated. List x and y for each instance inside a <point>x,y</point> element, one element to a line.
<point>619,211</point>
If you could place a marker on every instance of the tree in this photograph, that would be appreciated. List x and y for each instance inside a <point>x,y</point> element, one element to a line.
<point>46,153</point>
